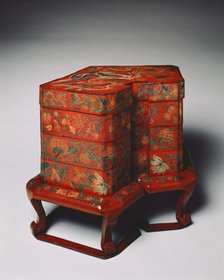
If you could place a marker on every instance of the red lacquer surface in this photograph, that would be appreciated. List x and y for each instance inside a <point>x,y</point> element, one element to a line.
<point>104,103</point>
<point>109,135</point>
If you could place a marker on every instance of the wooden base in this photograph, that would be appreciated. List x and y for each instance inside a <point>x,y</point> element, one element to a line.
<point>111,207</point>
<point>109,248</point>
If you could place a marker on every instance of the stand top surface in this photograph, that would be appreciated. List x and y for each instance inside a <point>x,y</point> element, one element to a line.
<point>118,201</point>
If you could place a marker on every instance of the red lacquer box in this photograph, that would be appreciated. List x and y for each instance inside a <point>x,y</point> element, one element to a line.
<point>109,135</point>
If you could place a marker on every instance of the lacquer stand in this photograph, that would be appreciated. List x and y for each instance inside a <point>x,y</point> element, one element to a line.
<point>111,207</point>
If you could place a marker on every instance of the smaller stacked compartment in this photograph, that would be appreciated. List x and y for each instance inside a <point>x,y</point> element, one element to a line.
<point>157,129</point>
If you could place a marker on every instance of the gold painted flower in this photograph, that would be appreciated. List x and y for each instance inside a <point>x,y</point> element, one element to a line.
<point>72,129</point>
<point>64,122</point>
<point>47,117</point>
<point>158,166</point>
<point>49,127</point>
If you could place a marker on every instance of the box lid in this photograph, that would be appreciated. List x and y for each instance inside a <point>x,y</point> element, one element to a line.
<point>102,81</point>
<point>112,79</point>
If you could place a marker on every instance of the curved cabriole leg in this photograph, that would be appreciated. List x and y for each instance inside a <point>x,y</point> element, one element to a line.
<point>40,225</point>
<point>182,215</point>
<point>107,244</point>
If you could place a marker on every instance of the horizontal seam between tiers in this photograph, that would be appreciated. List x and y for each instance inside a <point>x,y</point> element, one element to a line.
<point>87,140</point>
<point>84,167</point>
<point>86,113</point>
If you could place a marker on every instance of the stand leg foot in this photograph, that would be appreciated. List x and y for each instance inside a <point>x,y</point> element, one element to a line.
<point>40,225</point>
<point>107,244</point>
<point>182,215</point>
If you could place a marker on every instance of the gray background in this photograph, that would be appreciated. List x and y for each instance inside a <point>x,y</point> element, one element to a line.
<point>43,40</point>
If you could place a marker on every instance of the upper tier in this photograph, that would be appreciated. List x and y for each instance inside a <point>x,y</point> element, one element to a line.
<point>112,79</point>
